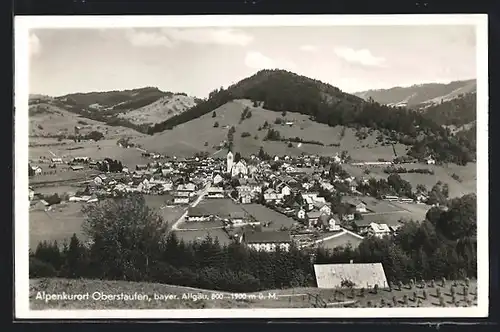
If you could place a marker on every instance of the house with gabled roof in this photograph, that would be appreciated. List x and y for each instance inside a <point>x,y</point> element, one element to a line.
<point>268,241</point>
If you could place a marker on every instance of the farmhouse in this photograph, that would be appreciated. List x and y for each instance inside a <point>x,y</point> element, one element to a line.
<point>314,216</point>
<point>379,230</point>
<point>390,198</point>
<point>76,168</point>
<point>189,187</point>
<point>342,238</point>
<point>217,179</point>
<point>38,170</point>
<point>198,214</point>
<point>268,241</point>
<point>237,217</point>
<point>358,205</point>
<point>359,275</point>
<point>57,160</point>
<point>181,197</point>
<point>215,192</point>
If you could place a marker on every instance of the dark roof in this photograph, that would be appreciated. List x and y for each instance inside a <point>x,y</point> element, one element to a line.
<point>198,211</point>
<point>267,237</point>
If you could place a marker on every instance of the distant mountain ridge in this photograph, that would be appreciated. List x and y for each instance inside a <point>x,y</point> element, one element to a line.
<point>421,94</point>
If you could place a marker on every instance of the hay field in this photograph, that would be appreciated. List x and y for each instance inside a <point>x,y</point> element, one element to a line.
<point>264,214</point>
<point>467,175</point>
<point>107,148</point>
<point>59,224</point>
<point>190,137</point>
<point>160,110</point>
<point>46,119</point>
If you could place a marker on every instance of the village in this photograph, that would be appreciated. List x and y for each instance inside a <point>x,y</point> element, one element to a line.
<point>264,204</point>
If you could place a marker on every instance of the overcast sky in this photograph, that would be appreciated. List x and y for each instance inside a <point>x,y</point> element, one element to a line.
<point>196,61</point>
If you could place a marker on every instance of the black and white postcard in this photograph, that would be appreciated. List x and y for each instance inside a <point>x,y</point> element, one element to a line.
<point>251,166</point>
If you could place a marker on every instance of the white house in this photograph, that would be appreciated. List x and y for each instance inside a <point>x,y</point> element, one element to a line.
<point>359,206</point>
<point>197,214</point>
<point>217,179</point>
<point>38,170</point>
<point>430,161</point>
<point>57,160</point>
<point>215,192</point>
<point>379,230</point>
<point>268,241</point>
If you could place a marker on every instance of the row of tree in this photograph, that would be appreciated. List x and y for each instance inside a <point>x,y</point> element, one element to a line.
<point>128,242</point>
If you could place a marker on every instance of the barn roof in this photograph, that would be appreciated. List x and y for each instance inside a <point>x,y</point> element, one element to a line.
<point>363,275</point>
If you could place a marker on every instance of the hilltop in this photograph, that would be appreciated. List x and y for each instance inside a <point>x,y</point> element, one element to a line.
<point>422,94</point>
<point>160,110</point>
<point>47,120</point>
<point>145,105</point>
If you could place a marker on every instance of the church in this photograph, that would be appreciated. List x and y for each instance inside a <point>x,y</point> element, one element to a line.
<point>235,169</point>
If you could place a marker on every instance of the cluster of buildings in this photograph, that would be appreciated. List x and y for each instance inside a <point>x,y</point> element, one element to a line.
<point>288,185</point>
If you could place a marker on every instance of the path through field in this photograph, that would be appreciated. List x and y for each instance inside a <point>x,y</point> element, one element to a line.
<point>181,219</point>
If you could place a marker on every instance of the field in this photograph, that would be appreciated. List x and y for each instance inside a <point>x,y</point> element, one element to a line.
<point>45,119</point>
<point>60,190</point>
<point>190,137</point>
<point>107,148</point>
<point>169,213</point>
<point>201,225</point>
<point>65,219</point>
<point>467,176</point>
<point>59,224</point>
<point>160,110</point>
<point>283,298</point>
<point>264,214</point>
<point>220,206</point>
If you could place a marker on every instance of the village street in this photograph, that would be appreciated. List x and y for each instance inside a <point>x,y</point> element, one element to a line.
<point>182,218</point>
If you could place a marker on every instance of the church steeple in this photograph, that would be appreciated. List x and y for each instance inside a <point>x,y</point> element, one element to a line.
<point>229,161</point>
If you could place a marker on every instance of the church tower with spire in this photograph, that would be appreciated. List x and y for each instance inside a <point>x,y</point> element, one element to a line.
<point>229,161</point>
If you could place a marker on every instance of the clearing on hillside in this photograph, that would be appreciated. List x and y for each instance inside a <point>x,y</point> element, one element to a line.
<point>190,137</point>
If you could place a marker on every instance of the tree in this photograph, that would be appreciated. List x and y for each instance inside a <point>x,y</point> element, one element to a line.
<point>74,262</point>
<point>290,145</point>
<point>31,171</point>
<point>283,114</point>
<point>214,114</point>
<point>126,236</point>
<point>460,221</point>
<point>237,157</point>
<point>95,135</point>
<point>216,124</point>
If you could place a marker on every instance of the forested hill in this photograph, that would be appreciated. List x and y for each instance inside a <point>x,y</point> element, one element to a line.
<point>415,95</point>
<point>280,90</point>
<point>456,112</point>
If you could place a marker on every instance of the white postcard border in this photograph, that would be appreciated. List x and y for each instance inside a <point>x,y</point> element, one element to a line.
<point>22,25</point>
